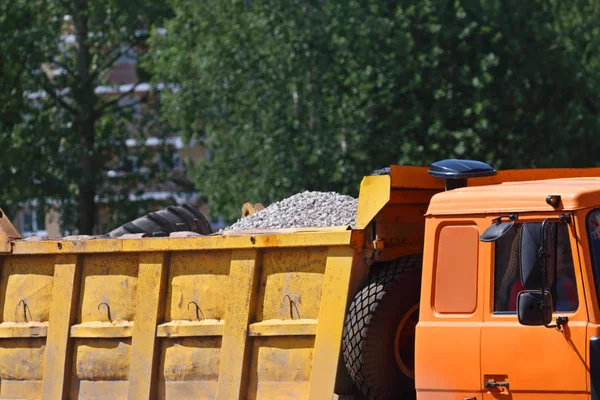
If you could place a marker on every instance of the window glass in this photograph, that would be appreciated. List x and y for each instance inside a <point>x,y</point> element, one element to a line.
<point>507,282</point>
<point>593,228</point>
<point>28,221</point>
<point>40,216</point>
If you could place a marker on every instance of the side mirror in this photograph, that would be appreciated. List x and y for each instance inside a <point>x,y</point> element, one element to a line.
<point>534,308</point>
<point>496,231</point>
<point>537,254</point>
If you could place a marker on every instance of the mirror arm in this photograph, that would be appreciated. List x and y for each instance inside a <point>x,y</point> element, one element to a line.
<point>560,322</point>
<point>511,217</point>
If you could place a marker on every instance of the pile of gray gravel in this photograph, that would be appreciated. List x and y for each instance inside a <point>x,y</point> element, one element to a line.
<point>303,210</point>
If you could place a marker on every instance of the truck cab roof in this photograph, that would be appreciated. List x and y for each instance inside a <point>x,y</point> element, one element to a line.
<point>575,193</point>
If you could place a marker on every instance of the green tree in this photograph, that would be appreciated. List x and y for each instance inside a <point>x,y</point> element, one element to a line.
<point>61,134</point>
<point>17,155</point>
<point>294,95</point>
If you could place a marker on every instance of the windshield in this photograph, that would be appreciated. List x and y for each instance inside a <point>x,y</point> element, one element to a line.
<point>593,230</point>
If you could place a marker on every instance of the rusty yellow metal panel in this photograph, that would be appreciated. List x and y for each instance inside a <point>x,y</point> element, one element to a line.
<point>186,318</point>
<point>108,288</point>
<point>101,368</point>
<point>21,368</point>
<point>189,368</point>
<point>151,283</point>
<point>233,366</point>
<point>290,283</point>
<point>284,238</point>
<point>374,195</point>
<point>281,368</point>
<point>27,287</point>
<point>62,314</point>
<point>198,285</point>
<point>331,321</point>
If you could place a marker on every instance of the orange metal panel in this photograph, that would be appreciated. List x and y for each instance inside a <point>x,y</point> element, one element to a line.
<point>456,270</point>
<point>447,350</point>
<point>576,193</point>
<point>526,356</point>
<point>412,177</point>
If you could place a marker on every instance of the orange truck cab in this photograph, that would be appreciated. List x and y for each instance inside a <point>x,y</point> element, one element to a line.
<point>499,302</point>
<point>509,286</point>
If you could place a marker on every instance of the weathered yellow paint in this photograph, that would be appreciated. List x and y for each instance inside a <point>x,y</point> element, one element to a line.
<point>186,323</point>
<point>281,368</point>
<point>233,369</point>
<point>331,321</point>
<point>23,329</point>
<point>198,285</point>
<point>108,287</point>
<point>21,390</point>
<point>101,368</point>
<point>189,368</point>
<point>21,367</point>
<point>276,327</point>
<point>290,283</point>
<point>144,357</point>
<point>229,241</point>
<point>358,275</point>
<point>99,329</point>
<point>26,285</point>
<point>374,195</point>
<point>62,314</point>
<point>12,354</point>
<point>206,327</point>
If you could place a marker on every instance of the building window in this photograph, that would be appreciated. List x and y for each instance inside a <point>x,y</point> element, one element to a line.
<point>33,222</point>
<point>133,104</point>
<point>177,162</point>
<point>507,281</point>
<point>128,55</point>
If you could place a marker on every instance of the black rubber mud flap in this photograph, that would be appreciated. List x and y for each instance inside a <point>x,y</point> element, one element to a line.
<point>378,339</point>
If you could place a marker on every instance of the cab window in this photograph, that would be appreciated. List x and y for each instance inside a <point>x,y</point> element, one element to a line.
<point>593,229</point>
<point>507,282</point>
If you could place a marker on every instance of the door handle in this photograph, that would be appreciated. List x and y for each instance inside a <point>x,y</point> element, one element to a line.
<point>493,384</point>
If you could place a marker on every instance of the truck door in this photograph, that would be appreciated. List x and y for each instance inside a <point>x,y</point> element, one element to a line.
<point>533,362</point>
<point>447,345</point>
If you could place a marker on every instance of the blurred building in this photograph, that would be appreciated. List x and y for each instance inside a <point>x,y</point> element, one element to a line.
<point>175,185</point>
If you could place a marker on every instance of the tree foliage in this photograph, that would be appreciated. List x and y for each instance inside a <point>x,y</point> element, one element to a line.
<point>58,134</point>
<point>294,95</point>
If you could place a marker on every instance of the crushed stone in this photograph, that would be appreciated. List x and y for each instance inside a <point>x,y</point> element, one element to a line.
<point>308,209</point>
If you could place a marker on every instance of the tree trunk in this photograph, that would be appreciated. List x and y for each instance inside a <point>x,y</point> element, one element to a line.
<point>85,99</point>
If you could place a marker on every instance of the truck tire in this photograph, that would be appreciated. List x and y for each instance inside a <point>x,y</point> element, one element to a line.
<point>379,331</point>
<point>166,221</point>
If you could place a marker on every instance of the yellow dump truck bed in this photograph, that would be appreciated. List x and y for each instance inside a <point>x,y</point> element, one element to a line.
<point>211,317</point>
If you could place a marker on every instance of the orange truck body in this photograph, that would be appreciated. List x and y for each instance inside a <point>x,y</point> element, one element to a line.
<point>460,341</point>
<point>259,315</point>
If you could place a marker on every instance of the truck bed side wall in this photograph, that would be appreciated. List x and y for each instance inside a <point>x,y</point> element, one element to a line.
<point>202,318</point>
